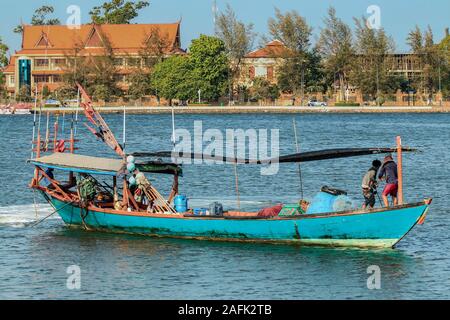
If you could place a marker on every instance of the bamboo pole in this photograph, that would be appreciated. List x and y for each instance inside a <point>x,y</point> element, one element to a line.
<point>400,170</point>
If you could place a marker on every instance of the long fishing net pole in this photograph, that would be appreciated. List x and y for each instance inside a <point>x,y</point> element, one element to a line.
<point>298,151</point>
<point>76,112</point>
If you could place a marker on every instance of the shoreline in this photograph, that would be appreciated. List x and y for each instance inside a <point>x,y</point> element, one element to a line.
<point>254,109</point>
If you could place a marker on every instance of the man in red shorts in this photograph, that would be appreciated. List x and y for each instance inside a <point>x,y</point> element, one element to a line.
<point>389,172</point>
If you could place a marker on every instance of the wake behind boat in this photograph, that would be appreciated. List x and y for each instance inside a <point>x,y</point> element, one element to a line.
<point>131,204</point>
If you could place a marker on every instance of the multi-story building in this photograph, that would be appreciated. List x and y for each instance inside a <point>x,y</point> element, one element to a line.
<point>263,62</point>
<point>46,51</point>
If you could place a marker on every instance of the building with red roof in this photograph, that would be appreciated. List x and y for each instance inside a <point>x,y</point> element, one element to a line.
<point>46,50</point>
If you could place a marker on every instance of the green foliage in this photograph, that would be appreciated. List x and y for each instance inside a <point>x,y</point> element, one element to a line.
<point>301,74</point>
<point>3,54</point>
<point>46,92</point>
<point>262,89</point>
<point>336,48</point>
<point>291,29</point>
<point>170,79</point>
<point>301,67</point>
<point>117,11</point>
<point>40,18</point>
<point>95,73</point>
<point>434,58</point>
<point>24,94</point>
<point>370,72</point>
<point>237,36</point>
<point>205,69</point>
<point>210,66</point>
<point>139,85</point>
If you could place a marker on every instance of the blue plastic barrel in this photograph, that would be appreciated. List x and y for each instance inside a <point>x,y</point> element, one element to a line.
<point>181,203</point>
<point>322,202</point>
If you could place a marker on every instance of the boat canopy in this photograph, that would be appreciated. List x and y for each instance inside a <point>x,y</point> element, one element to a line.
<point>292,158</point>
<point>80,163</point>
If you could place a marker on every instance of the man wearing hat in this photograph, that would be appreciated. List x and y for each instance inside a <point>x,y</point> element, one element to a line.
<point>389,172</point>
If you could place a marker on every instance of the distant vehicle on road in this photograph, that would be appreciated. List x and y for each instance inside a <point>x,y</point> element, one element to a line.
<point>315,103</point>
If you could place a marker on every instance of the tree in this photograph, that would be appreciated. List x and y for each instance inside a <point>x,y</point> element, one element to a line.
<point>431,58</point>
<point>262,89</point>
<point>139,85</point>
<point>336,49</point>
<point>117,11</point>
<point>3,62</point>
<point>237,37</point>
<point>299,69</point>
<point>3,54</point>
<point>444,49</point>
<point>24,94</point>
<point>45,92</point>
<point>170,79</point>
<point>205,68</point>
<point>210,66</point>
<point>370,72</point>
<point>291,29</point>
<point>95,73</point>
<point>154,47</point>
<point>40,18</point>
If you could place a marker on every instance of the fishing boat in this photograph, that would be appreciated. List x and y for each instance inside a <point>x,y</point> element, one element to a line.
<point>114,206</point>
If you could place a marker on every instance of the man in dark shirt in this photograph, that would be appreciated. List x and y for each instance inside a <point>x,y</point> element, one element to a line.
<point>389,172</point>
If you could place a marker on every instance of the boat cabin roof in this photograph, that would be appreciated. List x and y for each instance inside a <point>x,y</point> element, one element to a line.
<point>80,163</point>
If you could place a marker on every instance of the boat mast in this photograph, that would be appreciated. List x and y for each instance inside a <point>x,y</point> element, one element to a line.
<point>124,134</point>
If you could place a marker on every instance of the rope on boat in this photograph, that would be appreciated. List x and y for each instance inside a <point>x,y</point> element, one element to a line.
<point>51,214</point>
<point>35,203</point>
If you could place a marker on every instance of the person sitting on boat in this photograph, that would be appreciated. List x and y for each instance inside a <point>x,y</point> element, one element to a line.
<point>86,187</point>
<point>389,172</point>
<point>369,184</point>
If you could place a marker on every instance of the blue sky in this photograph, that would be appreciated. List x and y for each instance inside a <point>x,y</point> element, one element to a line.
<point>397,16</point>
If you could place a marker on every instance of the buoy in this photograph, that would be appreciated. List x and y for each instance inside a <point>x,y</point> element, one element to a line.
<point>131,159</point>
<point>131,167</point>
<point>132,181</point>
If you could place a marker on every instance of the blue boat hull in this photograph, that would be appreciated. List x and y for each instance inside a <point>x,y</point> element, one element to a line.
<point>382,228</point>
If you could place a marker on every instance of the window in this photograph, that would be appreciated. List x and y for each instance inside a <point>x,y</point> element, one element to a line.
<point>40,63</point>
<point>134,62</point>
<point>12,81</point>
<point>118,62</point>
<point>261,71</point>
<point>57,78</point>
<point>59,62</point>
<point>42,79</point>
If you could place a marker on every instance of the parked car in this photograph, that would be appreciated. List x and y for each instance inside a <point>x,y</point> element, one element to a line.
<point>315,103</point>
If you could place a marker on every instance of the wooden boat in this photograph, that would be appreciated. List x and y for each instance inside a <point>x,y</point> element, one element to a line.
<point>380,227</point>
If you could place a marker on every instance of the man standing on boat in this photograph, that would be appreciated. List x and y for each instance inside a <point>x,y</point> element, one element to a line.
<point>389,172</point>
<point>369,185</point>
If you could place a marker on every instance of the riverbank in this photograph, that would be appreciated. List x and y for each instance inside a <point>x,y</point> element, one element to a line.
<point>258,109</point>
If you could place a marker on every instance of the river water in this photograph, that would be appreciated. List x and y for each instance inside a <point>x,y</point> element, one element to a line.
<point>34,261</point>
